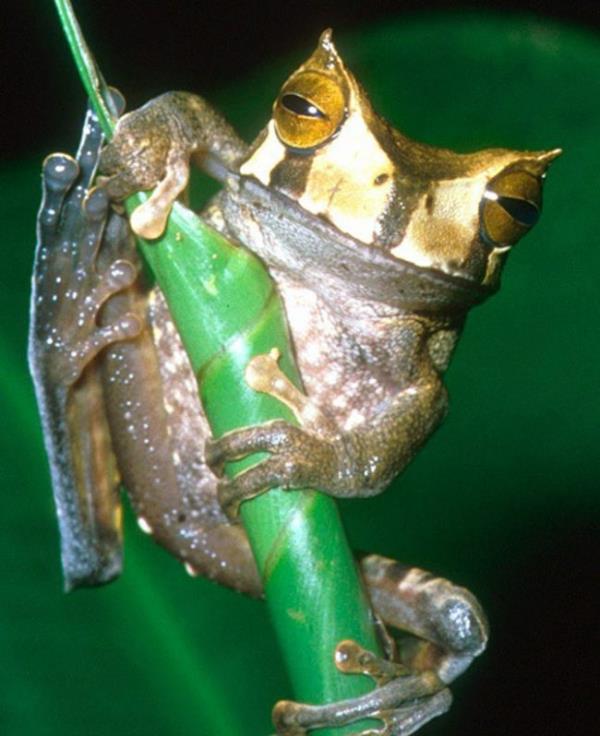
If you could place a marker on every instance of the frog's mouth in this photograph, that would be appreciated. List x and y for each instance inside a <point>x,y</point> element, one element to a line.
<point>296,241</point>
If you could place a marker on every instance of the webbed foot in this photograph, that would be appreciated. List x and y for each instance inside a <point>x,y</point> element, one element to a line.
<point>70,287</point>
<point>402,701</point>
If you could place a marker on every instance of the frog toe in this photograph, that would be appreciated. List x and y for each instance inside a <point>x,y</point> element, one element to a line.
<point>90,146</point>
<point>64,184</point>
<point>274,472</point>
<point>408,719</point>
<point>402,706</point>
<point>150,218</point>
<point>118,186</point>
<point>402,721</point>
<point>59,172</point>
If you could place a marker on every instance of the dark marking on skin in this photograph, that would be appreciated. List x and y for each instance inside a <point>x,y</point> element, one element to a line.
<point>397,572</point>
<point>429,202</point>
<point>291,174</point>
<point>404,199</point>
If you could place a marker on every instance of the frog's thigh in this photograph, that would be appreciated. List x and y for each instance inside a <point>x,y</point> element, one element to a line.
<point>448,621</point>
<point>158,430</point>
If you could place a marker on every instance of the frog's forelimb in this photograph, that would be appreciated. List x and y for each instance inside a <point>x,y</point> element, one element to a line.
<point>359,462</point>
<point>167,142</point>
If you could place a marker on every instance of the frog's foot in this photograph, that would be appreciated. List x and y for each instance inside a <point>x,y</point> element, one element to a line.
<point>299,459</point>
<point>402,701</point>
<point>310,456</point>
<point>69,288</point>
<point>148,151</point>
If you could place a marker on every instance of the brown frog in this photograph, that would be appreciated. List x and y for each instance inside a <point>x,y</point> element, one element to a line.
<point>378,246</point>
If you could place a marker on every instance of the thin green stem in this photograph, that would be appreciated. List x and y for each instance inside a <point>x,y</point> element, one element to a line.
<point>89,74</point>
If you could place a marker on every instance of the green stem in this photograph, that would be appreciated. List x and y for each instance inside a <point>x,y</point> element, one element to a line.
<point>227,310</point>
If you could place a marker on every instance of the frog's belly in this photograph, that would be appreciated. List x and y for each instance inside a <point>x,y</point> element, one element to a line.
<point>341,373</point>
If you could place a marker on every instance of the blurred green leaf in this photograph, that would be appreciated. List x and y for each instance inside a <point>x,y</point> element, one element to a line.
<point>500,500</point>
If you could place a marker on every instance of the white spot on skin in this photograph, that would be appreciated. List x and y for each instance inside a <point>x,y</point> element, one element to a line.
<point>279,385</point>
<point>170,366</point>
<point>340,402</point>
<point>143,525</point>
<point>311,414</point>
<point>354,420</point>
<point>191,570</point>
<point>331,378</point>
<point>312,353</point>
<point>301,304</point>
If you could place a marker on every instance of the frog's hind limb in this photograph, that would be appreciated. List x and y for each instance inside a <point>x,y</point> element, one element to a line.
<point>99,385</point>
<point>447,625</point>
<point>66,336</point>
<point>423,696</point>
<point>443,629</point>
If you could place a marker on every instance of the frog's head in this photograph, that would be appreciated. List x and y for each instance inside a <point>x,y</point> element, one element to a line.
<point>327,149</point>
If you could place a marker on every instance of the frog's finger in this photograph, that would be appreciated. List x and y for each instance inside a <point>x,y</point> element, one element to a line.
<point>88,154</point>
<point>64,184</point>
<point>288,470</point>
<point>275,436</point>
<point>118,243</point>
<point>263,476</point>
<point>119,186</point>
<point>150,218</point>
<point>92,139</point>
<point>410,718</point>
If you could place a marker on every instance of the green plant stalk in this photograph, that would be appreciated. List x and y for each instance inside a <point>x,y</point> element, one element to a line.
<point>227,310</point>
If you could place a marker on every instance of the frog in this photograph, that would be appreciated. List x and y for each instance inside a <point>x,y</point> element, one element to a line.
<point>379,246</point>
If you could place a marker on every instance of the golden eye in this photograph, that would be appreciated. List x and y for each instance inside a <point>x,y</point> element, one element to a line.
<point>309,110</point>
<point>511,206</point>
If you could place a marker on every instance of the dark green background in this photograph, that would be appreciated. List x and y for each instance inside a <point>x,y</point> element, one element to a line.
<point>504,498</point>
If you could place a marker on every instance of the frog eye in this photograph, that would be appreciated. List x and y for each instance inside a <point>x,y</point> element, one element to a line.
<point>510,207</point>
<point>309,110</point>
